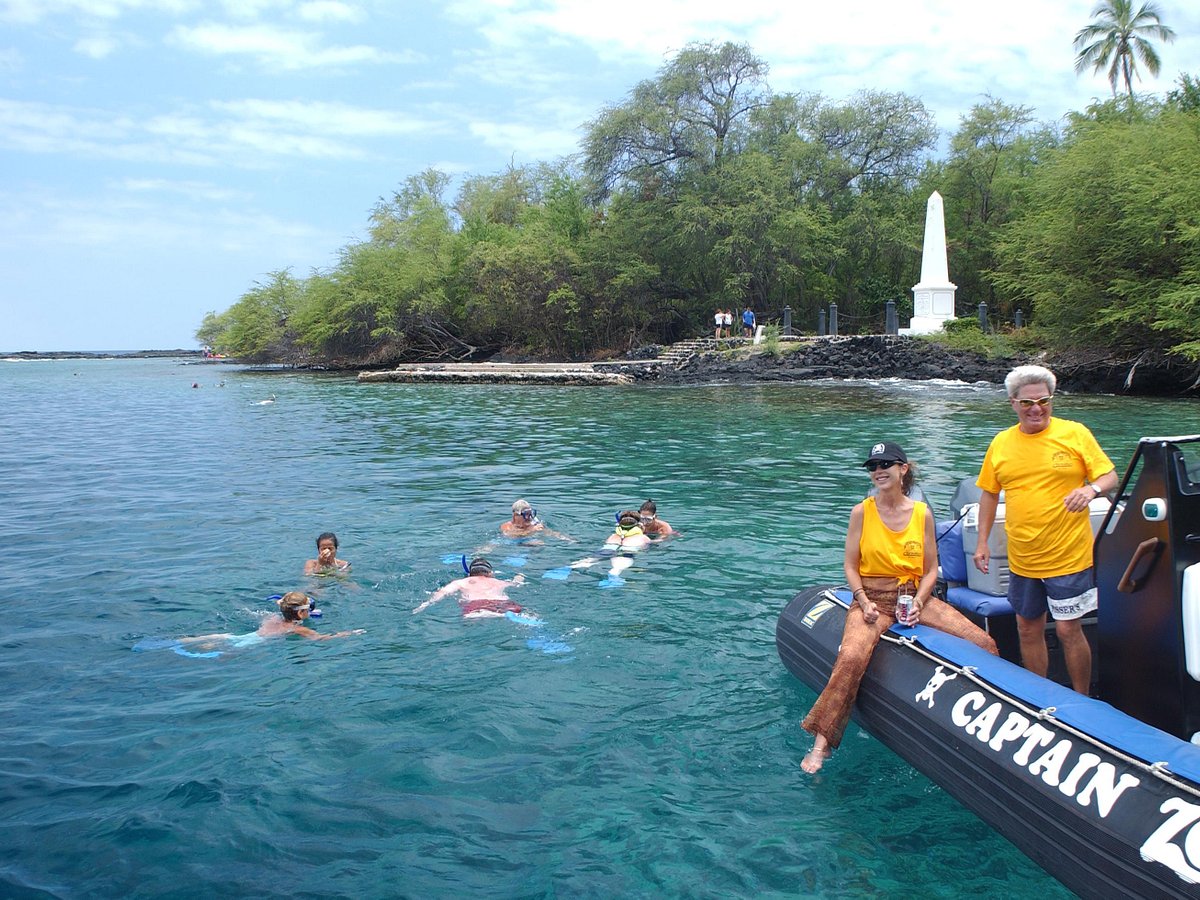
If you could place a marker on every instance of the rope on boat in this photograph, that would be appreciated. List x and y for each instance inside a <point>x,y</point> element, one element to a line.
<point>1158,770</point>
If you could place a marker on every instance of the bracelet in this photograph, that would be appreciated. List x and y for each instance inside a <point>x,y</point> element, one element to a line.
<point>858,591</point>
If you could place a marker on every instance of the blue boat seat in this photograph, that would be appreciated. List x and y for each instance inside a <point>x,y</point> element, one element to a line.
<point>953,561</point>
<point>972,601</point>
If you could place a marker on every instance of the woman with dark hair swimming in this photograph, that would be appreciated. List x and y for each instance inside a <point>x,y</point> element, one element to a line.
<point>326,562</point>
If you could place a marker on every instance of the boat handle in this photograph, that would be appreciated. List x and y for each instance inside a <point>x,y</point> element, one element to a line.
<point>1127,584</point>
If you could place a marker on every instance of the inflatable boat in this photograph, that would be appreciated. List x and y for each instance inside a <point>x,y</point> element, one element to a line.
<point>1102,792</point>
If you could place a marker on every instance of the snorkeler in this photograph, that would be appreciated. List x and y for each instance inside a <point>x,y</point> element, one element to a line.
<point>525,522</point>
<point>326,562</point>
<point>652,525</point>
<point>483,594</point>
<point>294,609</point>
<point>629,534</point>
<point>627,538</point>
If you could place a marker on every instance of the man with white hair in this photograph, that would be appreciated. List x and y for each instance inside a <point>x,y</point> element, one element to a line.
<point>1050,469</point>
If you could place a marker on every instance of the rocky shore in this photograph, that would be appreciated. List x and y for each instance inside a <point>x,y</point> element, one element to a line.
<point>877,356</point>
<point>102,354</point>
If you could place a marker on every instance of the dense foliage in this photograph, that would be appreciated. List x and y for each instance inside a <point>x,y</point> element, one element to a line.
<point>705,189</point>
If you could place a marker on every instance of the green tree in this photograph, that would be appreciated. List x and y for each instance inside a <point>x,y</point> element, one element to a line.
<point>212,328</point>
<point>688,118</point>
<point>992,158</point>
<point>1187,96</point>
<point>1119,38</point>
<point>257,325</point>
<point>1108,247</point>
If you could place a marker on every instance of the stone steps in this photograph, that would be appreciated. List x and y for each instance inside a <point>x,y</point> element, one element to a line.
<point>677,355</point>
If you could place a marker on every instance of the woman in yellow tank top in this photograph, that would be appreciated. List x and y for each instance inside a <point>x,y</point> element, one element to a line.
<point>889,545</point>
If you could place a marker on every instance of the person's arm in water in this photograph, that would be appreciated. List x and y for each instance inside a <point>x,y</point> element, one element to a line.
<point>441,593</point>
<point>306,632</point>
<point>987,518</point>
<point>853,560</point>
<point>274,626</point>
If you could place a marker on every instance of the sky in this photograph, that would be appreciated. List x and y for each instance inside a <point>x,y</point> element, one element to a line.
<point>158,158</point>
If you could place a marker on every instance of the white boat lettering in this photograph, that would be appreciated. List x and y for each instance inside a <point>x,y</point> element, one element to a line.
<point>1037,735</point>
<point>1013,728</point>
<point>1087,779</point>
<point>1183,858</point>
<point>1048,764</point>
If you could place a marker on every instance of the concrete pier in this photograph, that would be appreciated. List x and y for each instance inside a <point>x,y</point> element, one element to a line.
<point>502,373</point>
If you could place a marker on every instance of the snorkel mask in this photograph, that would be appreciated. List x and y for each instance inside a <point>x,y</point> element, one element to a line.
<point>477,566</point>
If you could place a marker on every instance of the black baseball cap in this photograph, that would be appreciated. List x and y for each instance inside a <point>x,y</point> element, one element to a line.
<point>886,451</point>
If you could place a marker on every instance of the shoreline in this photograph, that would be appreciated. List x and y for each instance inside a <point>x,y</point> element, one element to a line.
<point>859,357</point>
<point>100,354</point>
<point>880,356</point>
<point>862,357</point>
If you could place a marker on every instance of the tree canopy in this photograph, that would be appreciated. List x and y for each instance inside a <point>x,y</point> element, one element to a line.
<point>705,189</point>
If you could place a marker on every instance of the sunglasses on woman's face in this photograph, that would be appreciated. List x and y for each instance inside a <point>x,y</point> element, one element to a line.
<point>879,464</point>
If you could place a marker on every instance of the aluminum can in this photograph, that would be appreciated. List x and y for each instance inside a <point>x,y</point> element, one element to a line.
<point>904,607</point>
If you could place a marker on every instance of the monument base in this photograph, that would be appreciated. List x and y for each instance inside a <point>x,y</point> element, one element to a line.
<point>925,324</point>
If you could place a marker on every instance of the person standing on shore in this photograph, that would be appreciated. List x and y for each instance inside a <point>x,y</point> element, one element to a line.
<point>748,322</point>
<point>1050,469</point>
<point>719,322</point>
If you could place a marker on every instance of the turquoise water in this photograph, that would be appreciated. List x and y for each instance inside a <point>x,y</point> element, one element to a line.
<point>434,756</point>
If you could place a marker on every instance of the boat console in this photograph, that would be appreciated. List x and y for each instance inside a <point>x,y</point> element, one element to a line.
<point>1148,576</point>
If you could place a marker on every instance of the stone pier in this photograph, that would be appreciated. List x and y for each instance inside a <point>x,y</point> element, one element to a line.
<point>503,373</point>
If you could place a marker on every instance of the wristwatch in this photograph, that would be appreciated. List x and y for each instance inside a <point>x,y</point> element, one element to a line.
<point>1095,487</point>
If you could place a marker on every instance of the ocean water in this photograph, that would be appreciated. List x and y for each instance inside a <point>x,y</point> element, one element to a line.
<point>434,756</point>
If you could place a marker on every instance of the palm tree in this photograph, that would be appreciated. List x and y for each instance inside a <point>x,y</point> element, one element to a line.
<point>1118,38</point>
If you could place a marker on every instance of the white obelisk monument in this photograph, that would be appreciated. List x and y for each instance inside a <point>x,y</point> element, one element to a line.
<point>933,295</point>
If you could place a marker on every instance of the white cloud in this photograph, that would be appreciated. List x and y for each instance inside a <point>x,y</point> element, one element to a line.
<point>253,9</point>
<point>97,46</point>
<point>242,134</point>
<point>199,191</point>
<point>532,143</point>
<point>328,11</point>
<point>28,12</point>
<point>946,52</point>
<point>329,118</point>
<point>278,48</point>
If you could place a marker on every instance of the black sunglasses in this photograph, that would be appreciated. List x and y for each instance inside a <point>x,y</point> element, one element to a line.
<point>879,464</point>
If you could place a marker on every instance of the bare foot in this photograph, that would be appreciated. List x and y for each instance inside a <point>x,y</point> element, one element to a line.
<point>815,758</point>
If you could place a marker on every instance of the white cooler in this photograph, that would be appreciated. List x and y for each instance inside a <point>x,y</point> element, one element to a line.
<point>996,579</point>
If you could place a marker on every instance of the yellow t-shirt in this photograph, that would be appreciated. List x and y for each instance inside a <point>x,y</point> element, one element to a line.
<point>1036,472</point>
<point>892,554</point>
